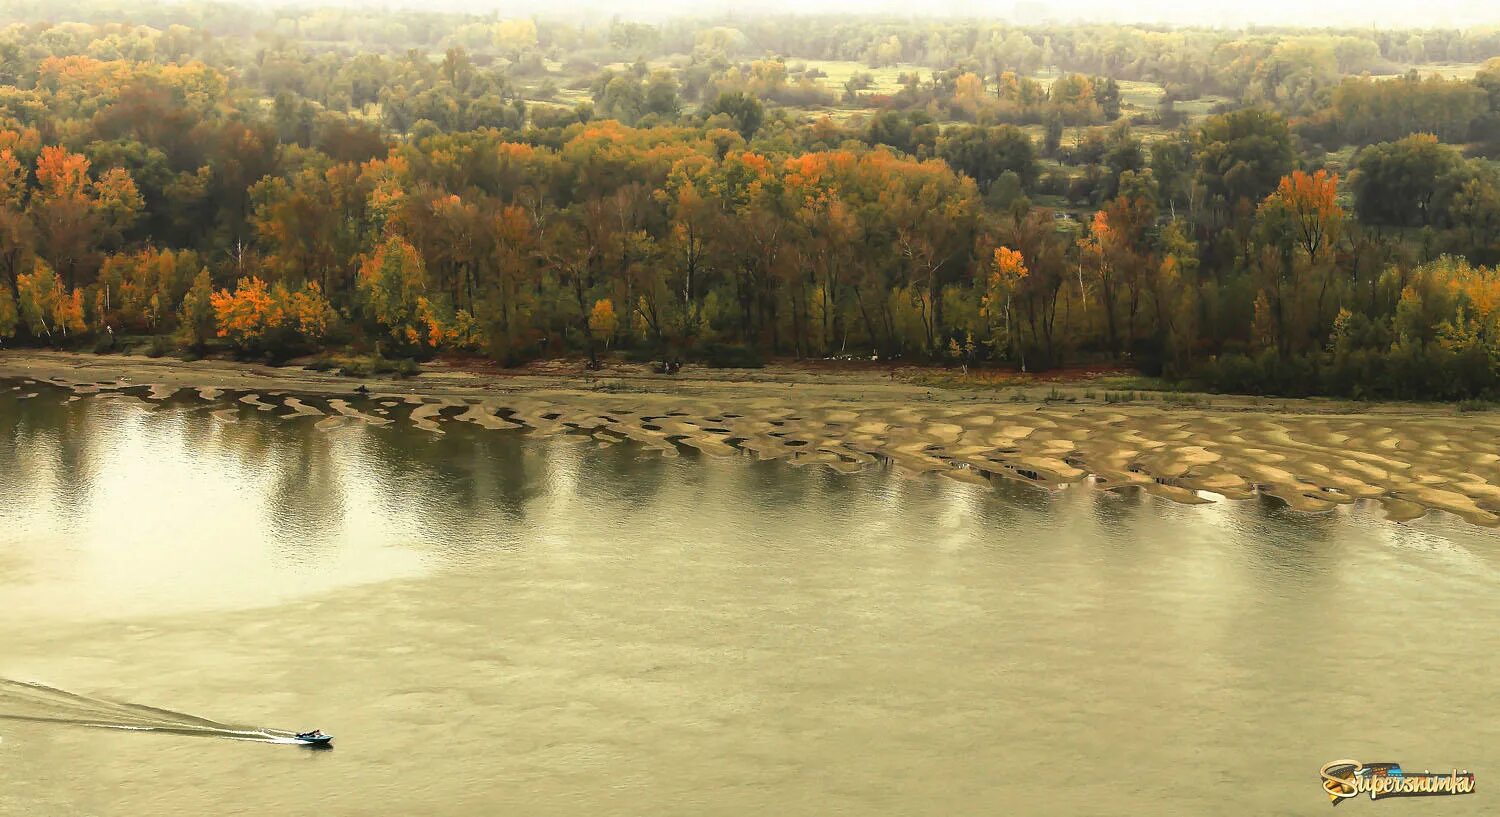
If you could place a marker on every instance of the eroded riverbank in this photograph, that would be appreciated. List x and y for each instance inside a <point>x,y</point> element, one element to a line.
<point>1314,455</point>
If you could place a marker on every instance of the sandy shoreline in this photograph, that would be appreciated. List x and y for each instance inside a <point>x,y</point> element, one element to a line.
<point>1312,454</point>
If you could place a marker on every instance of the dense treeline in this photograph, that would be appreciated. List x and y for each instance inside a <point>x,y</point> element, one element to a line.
<point>287,199</point>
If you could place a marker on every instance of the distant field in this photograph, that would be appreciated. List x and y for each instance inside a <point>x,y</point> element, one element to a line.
<point>839,72</point>
<point>1141,96</point>
<point>652,65</point>
<point>1447,70</point>
<point>1200,107</point>
<point>562,97</point>
<point>839,115</point>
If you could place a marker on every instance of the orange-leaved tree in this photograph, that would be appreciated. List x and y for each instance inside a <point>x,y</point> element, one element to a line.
<point>74,214</point>
<point>1007,271</point>
<point>1306,207</point>
<point>603,321</point>
<point>245,315</point>
<point>257,318</point>
<point>1296,274</point>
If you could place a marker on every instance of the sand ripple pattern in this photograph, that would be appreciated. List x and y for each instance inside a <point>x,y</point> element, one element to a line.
<point>1410,463</point>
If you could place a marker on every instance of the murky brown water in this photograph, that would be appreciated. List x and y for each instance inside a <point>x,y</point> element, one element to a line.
<point>498,624</point>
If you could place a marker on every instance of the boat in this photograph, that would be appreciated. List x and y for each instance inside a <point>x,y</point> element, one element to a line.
<point>314,738</point>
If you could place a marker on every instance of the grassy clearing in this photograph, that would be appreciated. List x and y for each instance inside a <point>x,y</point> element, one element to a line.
<point>1152,133</point>
<point>1199,108</point>
<point>651,65</point>
<point>566,97</point>
<point>1137,96</point>
<point>839,115</point>
<point>886,79</point>
<point>1446,70</point>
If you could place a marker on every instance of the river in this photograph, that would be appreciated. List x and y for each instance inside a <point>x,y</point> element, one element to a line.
<point>495,622</point>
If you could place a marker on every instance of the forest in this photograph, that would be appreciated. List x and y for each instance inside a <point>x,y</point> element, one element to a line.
<point>1274,211</point>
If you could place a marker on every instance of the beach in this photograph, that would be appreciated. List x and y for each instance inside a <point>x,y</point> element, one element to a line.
<point>1314,455</point>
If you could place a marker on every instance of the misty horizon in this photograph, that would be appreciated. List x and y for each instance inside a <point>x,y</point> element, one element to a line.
<point>1346,14</point>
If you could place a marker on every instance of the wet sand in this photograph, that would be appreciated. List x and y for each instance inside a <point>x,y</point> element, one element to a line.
<point>1312,454</point>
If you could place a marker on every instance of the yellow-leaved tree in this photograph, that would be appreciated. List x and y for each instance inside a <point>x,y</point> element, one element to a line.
<point>603,321</point>
<point>393,283</point>
<point>1007,271</point>
<point>47,306</point>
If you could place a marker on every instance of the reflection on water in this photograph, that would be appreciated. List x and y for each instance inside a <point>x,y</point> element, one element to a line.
<point>494,622</point>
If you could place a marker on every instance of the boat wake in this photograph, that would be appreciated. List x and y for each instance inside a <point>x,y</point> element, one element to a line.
<point>39,703</point>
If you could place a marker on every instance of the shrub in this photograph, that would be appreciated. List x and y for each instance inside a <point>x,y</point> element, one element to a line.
<point>729,356</point>
<point>160,346</point>
<point>370,366</point>
<point>1179,399</point>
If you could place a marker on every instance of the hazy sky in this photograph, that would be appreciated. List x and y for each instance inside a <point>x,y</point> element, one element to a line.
<point>1381,13</point>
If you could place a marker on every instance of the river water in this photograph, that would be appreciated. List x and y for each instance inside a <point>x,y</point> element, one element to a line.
<point>492,622</point>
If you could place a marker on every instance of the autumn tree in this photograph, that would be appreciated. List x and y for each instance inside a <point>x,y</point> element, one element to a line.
<point>1174,294</point>
<point>9,317</point>
<point>1035,297</point>
<point>603,321</point>
<point>47,306</point>
<point>393,286</point>
<point>1006,273</point>
<point>934,234</point>
<point>1117,253</point>
<point>508,299</point>
<point>1297,290</point>
<point>744,110</point>
<point>1305,208</point>
<point>196,317</point>
<point>574,250</point>
<point>75,215</point>
<point>17,235</point>
<point>142,290</point>
<point>313,225</point>
<point>272,320</point>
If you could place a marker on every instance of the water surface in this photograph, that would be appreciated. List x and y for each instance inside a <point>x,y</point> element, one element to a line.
<point>494,622</point>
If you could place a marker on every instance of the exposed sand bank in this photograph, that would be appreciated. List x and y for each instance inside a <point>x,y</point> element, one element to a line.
<point>1313,455</point>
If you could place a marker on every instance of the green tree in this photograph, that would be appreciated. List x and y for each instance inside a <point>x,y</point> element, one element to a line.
<point>661,96</point>
<point>744,109</point>
<point>983,154</point>
<point>1242,155</point>
<point>196,317</point>
<point>9,317</point>
<point>1407,183</point>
